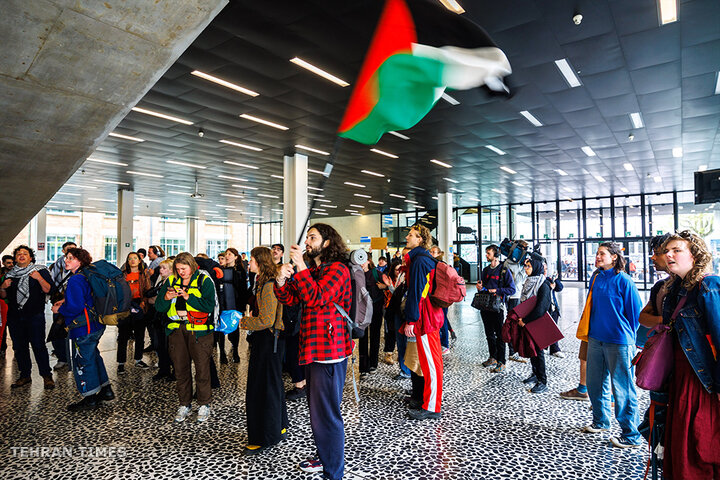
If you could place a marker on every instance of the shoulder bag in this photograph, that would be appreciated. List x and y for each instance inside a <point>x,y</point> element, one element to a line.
<point>584,326</point>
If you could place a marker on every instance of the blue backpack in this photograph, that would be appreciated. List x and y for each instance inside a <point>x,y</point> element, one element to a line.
<point>111,292</point>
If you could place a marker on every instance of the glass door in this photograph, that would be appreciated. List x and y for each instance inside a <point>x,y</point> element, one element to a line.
<point>569,258</point>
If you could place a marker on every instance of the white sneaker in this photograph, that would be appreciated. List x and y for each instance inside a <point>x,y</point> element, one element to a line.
<point>558,354</point>
<point>203,413</point>
<point>517,358</point>
<point>182,414</point>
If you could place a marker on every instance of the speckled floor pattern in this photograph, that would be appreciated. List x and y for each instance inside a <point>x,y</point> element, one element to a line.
<point>491,428</point>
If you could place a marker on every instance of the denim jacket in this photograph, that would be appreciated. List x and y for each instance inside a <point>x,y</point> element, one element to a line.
<point>699,317</point>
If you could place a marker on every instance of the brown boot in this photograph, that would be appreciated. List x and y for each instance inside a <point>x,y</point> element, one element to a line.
<point>20,382</point>
<point>48,382</point>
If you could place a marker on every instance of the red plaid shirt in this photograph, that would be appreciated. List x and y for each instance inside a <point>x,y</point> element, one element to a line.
<point>323,332</point>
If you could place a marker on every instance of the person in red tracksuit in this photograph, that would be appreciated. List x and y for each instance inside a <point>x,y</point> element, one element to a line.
<point>423,321</point>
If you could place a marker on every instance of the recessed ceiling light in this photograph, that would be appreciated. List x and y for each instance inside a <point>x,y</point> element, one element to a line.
<point>508,170</point>
<point>370,172</point>
<point>243,165</point>
<point>143,174</point>
<point>125,137</point>
<point>560,172</point>
<point>108,162</point>
<point>399,135</point>
<point>677,152</point>
<point>231,195</point>
<point>450,180</point>
<point>567,72</point>
<point>310,149</point>
<point>453,6</point>
<point>263,121</point>
<point>354,184</point>
<point>191,165</point>
<point>396,209</point>
<point>531,118</point>
<point>375,202</point>
<point>319,71</point>
<point>245,187</point>
<point>242,145</point>
<point>636,120</point>
<point>498,191</point>
<point>449,99</point>
<point>114,182</point>
<point>442,164</point>
<point>383,153</point>
<point>267,195</point>
<point>224,83</point>
<point>396,195</point>
<point>588,151</point>
<point>362,195</point>
<point>495,149</point>
<point>161,115</point>
<point>657,178</point>
<point>599,178</point>
<point>628,167</point>
<point>668,11</point>
<point>702,168</point>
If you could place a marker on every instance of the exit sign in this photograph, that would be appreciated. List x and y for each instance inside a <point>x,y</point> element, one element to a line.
<point>659,232</point>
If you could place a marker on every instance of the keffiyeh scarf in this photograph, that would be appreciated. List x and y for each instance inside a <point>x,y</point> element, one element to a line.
<point>531,286</point>
<point>23,290</point>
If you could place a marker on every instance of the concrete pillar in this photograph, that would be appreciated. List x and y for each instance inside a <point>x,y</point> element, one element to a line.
<point>295,198</point>
<point>192,236</point>
<point>125,214</point>
<point>41,237</point>
<point>446,225</point>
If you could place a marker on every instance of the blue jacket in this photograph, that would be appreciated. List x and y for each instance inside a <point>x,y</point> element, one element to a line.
<point>616,308</point>
<point>490,278</point>
<point>78,296</point>
<point>699,317</point>
<point>421,263</point>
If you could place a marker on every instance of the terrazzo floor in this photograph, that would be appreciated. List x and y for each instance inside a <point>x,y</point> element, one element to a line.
<point>491,428</point>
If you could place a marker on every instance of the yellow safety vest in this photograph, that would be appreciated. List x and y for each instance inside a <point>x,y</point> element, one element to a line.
<point>192,289</point>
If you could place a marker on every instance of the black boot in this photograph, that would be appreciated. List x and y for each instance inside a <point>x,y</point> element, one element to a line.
<point>106,393</point>
<point>236,357</point>
<point>87,403</point>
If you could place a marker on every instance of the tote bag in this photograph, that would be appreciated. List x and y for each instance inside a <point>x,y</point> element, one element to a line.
<point>584,326</point>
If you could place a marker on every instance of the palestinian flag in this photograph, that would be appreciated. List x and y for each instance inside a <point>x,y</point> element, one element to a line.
<point>407,69</point>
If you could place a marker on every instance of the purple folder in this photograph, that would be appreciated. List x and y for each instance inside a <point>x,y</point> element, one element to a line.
<point>544,331</point>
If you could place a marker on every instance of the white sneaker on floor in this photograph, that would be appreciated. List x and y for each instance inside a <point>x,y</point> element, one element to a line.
<point>558,354</point>
<point>203,413</point>
<point>517,358</point>
<point>182,414</point>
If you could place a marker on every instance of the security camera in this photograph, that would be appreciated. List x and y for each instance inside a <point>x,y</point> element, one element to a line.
<point>577,19</point>
<point>631,137</point>
<point>201,133</point>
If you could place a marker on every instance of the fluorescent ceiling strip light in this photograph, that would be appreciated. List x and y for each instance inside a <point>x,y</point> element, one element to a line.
<point>375,202</point>
<point>508,170</point>
<point>125,137</point>
<point>636,120</point>
<point>84,206</point>
<point>177,192</point>
<point>396,195</point>
<point>231,195</point>
<point>321,213</point>
<point>315,195</point>
<point>628,167</point>
<point>453,6</point>
<point>323,200</point>
<point>357,206</point>
<point>498,191</point>
<point>250,201</point>
<point>495,149</point>
<point>267,195</point>
<point>668,11</point>
<point>68,193</point>
<point>177,206</point>
<point>210,211</point>
<point>531,118</point>
<point>362,195</point>
<point>422,206</point>
<point>396,209</point>
<point>315,188</point>
<point>588,151</point>
<point>191,165</point>
<point>450,180</point>
<point>114,182</point>
<point>410,201</point>
<point>567,189</point>
<point>59,202</point>
<point>245,187</point>
<point>330,206</point>
<point>449,99</point>
<point>717,84</point>
<point>657,178</point>
<point>567,72</point>
<point>560,172</point>
<point>78,186</point>
<point>354,184</point>
<point>625,190</point>
<point>241,145</point>
<point>319,209</point>
<point>107,211</point>
<point>319,71</point>
<point>140,199</point>
<point>356,214</point>
<point>369,172</point>
<point>278,176</point>
<point>178,186</point>
<point>442,164</point>
<point>263,121</point>
<point>399,135</point>
<point>456,190</point>
<point>227,177</point>
<point>276,210</point>
<point>525,194</point>
<point>518,184</point>
<point>315,171</point>
<point>702,168</point>
<point>351,211</point>
<point>310,149</point>
<point>677,152</point>
<point>475,199</point>
<point>104,200</point>
<point>383,153</point>
<point>161,115</point>
<point>143,174</point>
<point>243,165</point>
<point>599,178</point>
<point>224,83</point>
<point>108,162</point>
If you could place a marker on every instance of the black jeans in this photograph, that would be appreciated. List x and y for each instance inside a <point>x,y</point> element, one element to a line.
<point>369,359</point>
<point>132,326</point>
<point>292,359</point>
<point>390,332</point>
<point>493,322</point>
<point>512,303</point>
<point>555,347</point>
<point>538,367</point>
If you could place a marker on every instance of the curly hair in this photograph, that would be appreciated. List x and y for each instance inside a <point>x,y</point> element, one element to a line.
<point>424,235</point>
<point>267,268</point>
<point>336,251</point>
<point>82,255</point>
<point>615,248</point>
<point>30,251</point>
<point>701,255</point>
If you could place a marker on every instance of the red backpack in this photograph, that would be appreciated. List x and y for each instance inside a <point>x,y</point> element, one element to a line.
<point>447,286</point>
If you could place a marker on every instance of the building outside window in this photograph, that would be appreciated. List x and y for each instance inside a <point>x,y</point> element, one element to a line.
<point>172,246</point>
<point>54,245</point>
<point>110,249</point>
<point>214,247</point>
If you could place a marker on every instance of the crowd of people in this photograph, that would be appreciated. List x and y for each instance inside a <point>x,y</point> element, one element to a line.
<point>292,314</point>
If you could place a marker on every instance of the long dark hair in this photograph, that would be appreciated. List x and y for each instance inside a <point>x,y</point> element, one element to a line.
<point>141,265</point>
<point>336,251</point>
<point>615,248</point>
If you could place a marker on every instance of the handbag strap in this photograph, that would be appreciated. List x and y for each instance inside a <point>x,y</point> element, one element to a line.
<point>679,306</point>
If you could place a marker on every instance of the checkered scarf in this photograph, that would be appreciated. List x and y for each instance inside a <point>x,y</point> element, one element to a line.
<point>23,290</point>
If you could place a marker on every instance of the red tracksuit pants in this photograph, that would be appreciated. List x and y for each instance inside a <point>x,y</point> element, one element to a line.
<point>431,363</point>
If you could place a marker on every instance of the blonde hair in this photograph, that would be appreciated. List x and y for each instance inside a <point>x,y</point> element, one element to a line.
<point>425,235</point>
<point>701,255</point>
<point>167,263</point>
<point>184,258</point>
